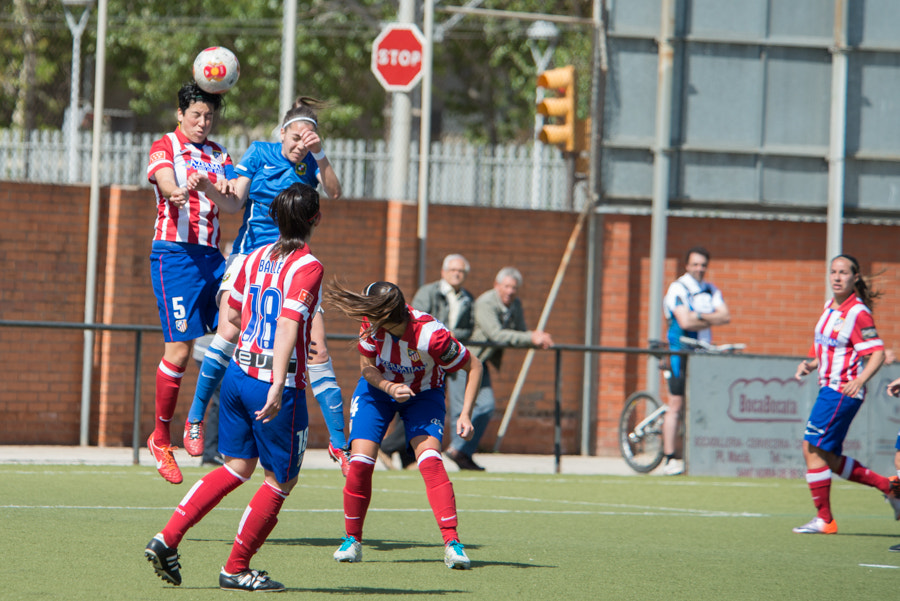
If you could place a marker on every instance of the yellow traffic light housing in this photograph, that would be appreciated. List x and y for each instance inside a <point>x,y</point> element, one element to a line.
<point>563,80</point>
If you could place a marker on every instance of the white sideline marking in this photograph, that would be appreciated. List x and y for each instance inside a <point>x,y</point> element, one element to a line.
<point>635,512</point>
<point>878,565</point>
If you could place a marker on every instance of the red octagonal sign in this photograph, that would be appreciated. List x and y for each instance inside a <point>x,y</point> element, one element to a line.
<point>397,57</point>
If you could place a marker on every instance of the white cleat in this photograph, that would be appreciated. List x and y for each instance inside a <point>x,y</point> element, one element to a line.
<point>350,551</point>
<point>455,557</point>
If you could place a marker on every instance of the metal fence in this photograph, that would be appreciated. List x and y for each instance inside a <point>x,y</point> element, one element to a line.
<point>459,173</point>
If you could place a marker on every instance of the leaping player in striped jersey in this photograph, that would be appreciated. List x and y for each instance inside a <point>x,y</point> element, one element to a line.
<point>189,174</point>
<point>262,413</point>
<point>404,354</point>
<point>845,335</point>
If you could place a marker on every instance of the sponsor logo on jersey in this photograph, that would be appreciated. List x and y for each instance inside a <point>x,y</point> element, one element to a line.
<point>824,340</point>
<point>300,169</point>
<point>199,165</point>
<point>403,369</point>
<point>181,325</point>
<point>413,354</point>
<point>869,333</point>
<point>158,156</point>
<point>451,352</point>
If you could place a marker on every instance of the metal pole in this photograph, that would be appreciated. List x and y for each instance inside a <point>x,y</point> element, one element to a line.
<point>662,162</point>
<point>90,280</point>
<point>401,109</point>
<point>136,423</point>
<point>288,54</point>
<point>539,30</point>
<point>557,414</point>
<point>425,138</point>
<point>600,67</point>
<point>838,144</point>
<point>77,30</point>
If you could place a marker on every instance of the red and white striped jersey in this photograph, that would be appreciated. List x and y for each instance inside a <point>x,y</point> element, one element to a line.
<point>420,357</point>
<point>197,222</point>
<point>265,290</point>
<point>843,337</point>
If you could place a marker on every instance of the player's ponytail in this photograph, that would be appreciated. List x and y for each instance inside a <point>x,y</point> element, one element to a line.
<point>862,288</point>
<point>303,109</point>
<point>296,211</point>
<point>381,303</point>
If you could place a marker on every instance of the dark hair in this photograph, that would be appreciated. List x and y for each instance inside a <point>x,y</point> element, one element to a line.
<point>380,303</point>
<point>191,93</point>
<point>295,210</point>
<point>304,108</point>
<point>863,291</point>
<point>696,250</point>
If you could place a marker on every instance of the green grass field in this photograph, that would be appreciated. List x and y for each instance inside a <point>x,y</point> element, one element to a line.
<point>76,532</point>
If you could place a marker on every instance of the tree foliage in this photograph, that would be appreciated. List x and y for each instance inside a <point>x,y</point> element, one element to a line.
<point>484,74</point>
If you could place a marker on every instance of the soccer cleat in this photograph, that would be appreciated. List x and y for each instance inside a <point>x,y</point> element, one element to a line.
<point>895,487</point>
<point>164,560</point>
<point>894,548</point>
<point>341,457</point>
<point>817,526</point>
<point>193,438</point>
<point>249,580</point>
<point>350,551</point>
<point>673,467</point>
<point>165,461</point>
<point>455,557</point>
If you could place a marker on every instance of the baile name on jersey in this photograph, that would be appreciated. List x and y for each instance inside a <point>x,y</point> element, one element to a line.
<point>273,267</point>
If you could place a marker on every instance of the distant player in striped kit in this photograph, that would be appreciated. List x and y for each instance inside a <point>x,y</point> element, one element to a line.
<point>263,406</point>
<point>404,356</point>
<point>844,335</point>
<point>266,169</point>
<point>189,174</point>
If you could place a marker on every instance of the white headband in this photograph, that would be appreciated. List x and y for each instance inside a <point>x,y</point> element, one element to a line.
<point>313,121</point>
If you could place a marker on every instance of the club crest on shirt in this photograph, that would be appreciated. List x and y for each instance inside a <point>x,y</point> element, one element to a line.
<point>413,354</point>
<point>837,325</point>
<point>181,325</point>
<point>300,169</point>
<point>218,156</point>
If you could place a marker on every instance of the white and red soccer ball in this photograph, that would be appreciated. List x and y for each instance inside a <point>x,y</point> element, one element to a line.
<point>216,70</point>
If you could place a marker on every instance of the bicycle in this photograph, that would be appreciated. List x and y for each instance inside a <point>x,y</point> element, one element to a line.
<point>641,422</point>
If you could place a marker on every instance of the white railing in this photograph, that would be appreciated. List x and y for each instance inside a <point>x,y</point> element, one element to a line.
<point>459,173</point>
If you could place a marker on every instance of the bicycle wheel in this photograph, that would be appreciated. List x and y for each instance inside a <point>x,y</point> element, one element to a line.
<point>640,439</point>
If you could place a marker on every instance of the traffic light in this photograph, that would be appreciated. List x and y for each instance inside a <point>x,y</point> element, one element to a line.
<point>562,80</point>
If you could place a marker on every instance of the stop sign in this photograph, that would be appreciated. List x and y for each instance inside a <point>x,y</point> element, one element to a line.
<point>397,57</point>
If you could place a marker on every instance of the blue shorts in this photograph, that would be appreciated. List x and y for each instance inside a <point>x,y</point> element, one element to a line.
<point>185,281</point>
<point>372,410</point>
<point>830,419</point>
<point>279,444</point>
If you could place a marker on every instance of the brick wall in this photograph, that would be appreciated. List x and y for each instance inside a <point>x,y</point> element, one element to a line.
<point>772,275</point>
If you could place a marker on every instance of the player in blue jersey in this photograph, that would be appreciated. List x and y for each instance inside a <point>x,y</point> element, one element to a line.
<point>692,306</point>
<point>263,172</point>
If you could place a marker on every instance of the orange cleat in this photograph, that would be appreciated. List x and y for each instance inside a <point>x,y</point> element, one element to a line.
<point>165,461</point>
<point>341,456</point>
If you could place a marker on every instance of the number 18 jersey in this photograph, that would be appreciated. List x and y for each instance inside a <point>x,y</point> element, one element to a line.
<point>266,289</point>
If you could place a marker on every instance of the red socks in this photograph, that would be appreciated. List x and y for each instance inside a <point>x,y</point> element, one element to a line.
<point>819,481</point>
<point>203,496</point>
<point>258,522</point>
<point>440,493</point>
<point>357,494</point>
<point>850,469</point>
<point>168,382</point>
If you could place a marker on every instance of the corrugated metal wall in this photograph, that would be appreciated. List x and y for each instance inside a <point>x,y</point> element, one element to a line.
<point>752,105</point>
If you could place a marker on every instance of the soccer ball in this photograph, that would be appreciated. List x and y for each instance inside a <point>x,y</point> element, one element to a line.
<point>216,70</point>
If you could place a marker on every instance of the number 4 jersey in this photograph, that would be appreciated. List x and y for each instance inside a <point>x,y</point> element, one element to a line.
<point>266,289</point>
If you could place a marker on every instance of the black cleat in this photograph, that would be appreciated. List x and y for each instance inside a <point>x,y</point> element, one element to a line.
<point>249,580</point>
<point>164,560</point>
